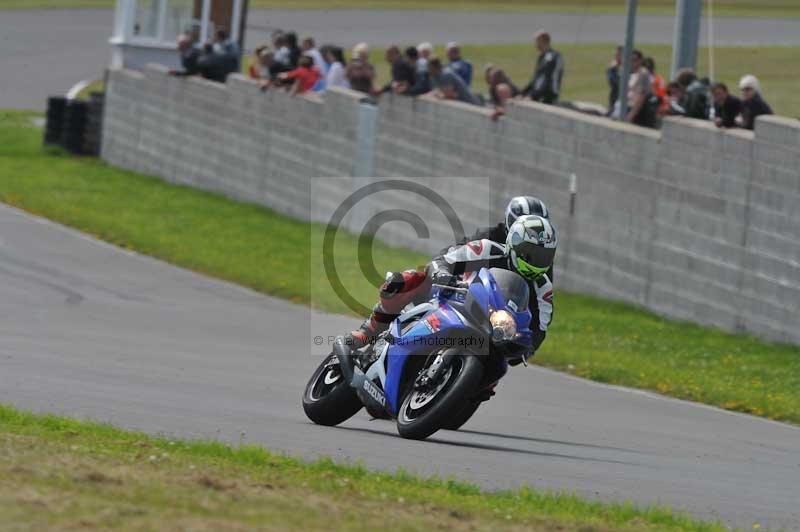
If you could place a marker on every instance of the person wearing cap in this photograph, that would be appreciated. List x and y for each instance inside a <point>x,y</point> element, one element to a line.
<point>360,73</point>
<point>460,67</point>
<point>753,104</point>
<point>546,81</point>
<point>424,49</point>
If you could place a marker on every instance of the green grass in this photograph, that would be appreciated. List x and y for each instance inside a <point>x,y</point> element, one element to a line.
<point>59,473</point>
<point>593,338</point>
<point>748,8</point>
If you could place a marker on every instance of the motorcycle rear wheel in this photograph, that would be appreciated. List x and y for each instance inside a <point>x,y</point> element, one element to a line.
<point>328,399</point>
<point>419,416</point>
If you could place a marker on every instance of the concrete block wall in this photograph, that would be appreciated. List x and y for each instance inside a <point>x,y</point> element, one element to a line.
<point>693,222</point>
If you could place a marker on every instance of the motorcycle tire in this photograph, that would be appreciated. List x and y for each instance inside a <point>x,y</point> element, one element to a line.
<point>328,399</point>
<point>462,416</point>
<point>460,383</point>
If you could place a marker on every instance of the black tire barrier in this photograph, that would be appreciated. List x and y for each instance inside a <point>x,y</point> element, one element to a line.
<point>92,133</point>
<point>56,105</point>
<point>74,125</point>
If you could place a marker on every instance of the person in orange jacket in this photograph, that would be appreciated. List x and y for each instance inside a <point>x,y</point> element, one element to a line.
<point>659,86</point>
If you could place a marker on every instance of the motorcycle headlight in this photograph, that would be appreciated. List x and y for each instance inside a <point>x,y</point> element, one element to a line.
<point>503,325</point>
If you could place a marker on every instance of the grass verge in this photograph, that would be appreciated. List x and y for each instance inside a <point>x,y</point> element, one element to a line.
<point>592,338</point>
<point>742,8</point>
<point>59,473</point>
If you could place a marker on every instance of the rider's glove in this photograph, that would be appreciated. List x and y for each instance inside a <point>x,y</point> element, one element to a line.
<point>393,284</point>
<point>445,278</point>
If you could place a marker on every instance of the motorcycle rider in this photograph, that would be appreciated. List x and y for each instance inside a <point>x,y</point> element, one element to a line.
<point>517,206</point>
<point>529,249</point>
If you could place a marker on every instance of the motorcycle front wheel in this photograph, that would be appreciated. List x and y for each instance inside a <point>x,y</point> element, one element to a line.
<point>328,399</point>
<point>425,411</point>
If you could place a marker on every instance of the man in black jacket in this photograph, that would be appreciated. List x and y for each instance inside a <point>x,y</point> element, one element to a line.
<point>190,55</point>
<point>402,72</point>
<point>726,106</point>
<point>546,81</point>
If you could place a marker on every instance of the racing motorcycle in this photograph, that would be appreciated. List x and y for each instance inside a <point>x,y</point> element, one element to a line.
<point>435,364</point>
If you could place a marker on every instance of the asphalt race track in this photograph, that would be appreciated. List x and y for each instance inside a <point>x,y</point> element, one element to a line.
<point>45,52</point>
<point>87,329</point>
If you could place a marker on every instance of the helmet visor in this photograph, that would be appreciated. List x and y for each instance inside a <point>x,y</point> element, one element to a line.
<point>533,261</point>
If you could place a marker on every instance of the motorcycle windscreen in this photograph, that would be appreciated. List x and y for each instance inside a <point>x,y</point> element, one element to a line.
<point>512,288</point>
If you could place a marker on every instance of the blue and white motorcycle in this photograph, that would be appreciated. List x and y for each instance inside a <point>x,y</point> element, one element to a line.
<point>437,362</point>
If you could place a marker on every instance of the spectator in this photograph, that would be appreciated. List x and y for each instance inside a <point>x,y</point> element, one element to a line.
<point>223,44</point>
<point>425,50</point>
<point>546,81</point>
<point>753,104</point>
<point>360,73</point>
<point>254,70</point>
<point>675,95</point>
<point>305,76</point>
<point>190,56</point>
<point>290,41</point>
<point>448,84</point>
<point>422,81</point>
<point>659,86</point>
<point>612,76</point>
<point>727,107</point>
<point>402,72</point>
<point>310,49</point>
<point>216,67</point>
<point>695,100</point>
<point>281,50</point>
<point>641,102</point>
<point>268,68</point>
<point>336,71</point>
<point>462,68</point>
<point>501,89</point>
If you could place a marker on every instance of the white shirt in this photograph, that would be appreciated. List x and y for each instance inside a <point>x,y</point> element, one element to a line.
<point>319,62</point>
<point>336,76</point>
<point>282,55</point>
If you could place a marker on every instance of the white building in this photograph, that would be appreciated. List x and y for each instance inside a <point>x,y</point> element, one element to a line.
<point>145,30</point>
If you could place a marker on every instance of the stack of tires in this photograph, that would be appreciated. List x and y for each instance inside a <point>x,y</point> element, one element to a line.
<point>56,105</point>
<point>75,124</point>
<point>94,125</point>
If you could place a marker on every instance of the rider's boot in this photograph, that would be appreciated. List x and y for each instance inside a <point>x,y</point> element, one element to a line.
<point>398,290</point>
<point>372,327</point>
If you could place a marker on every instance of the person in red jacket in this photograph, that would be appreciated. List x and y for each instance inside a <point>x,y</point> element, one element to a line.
<point>305,76</point>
